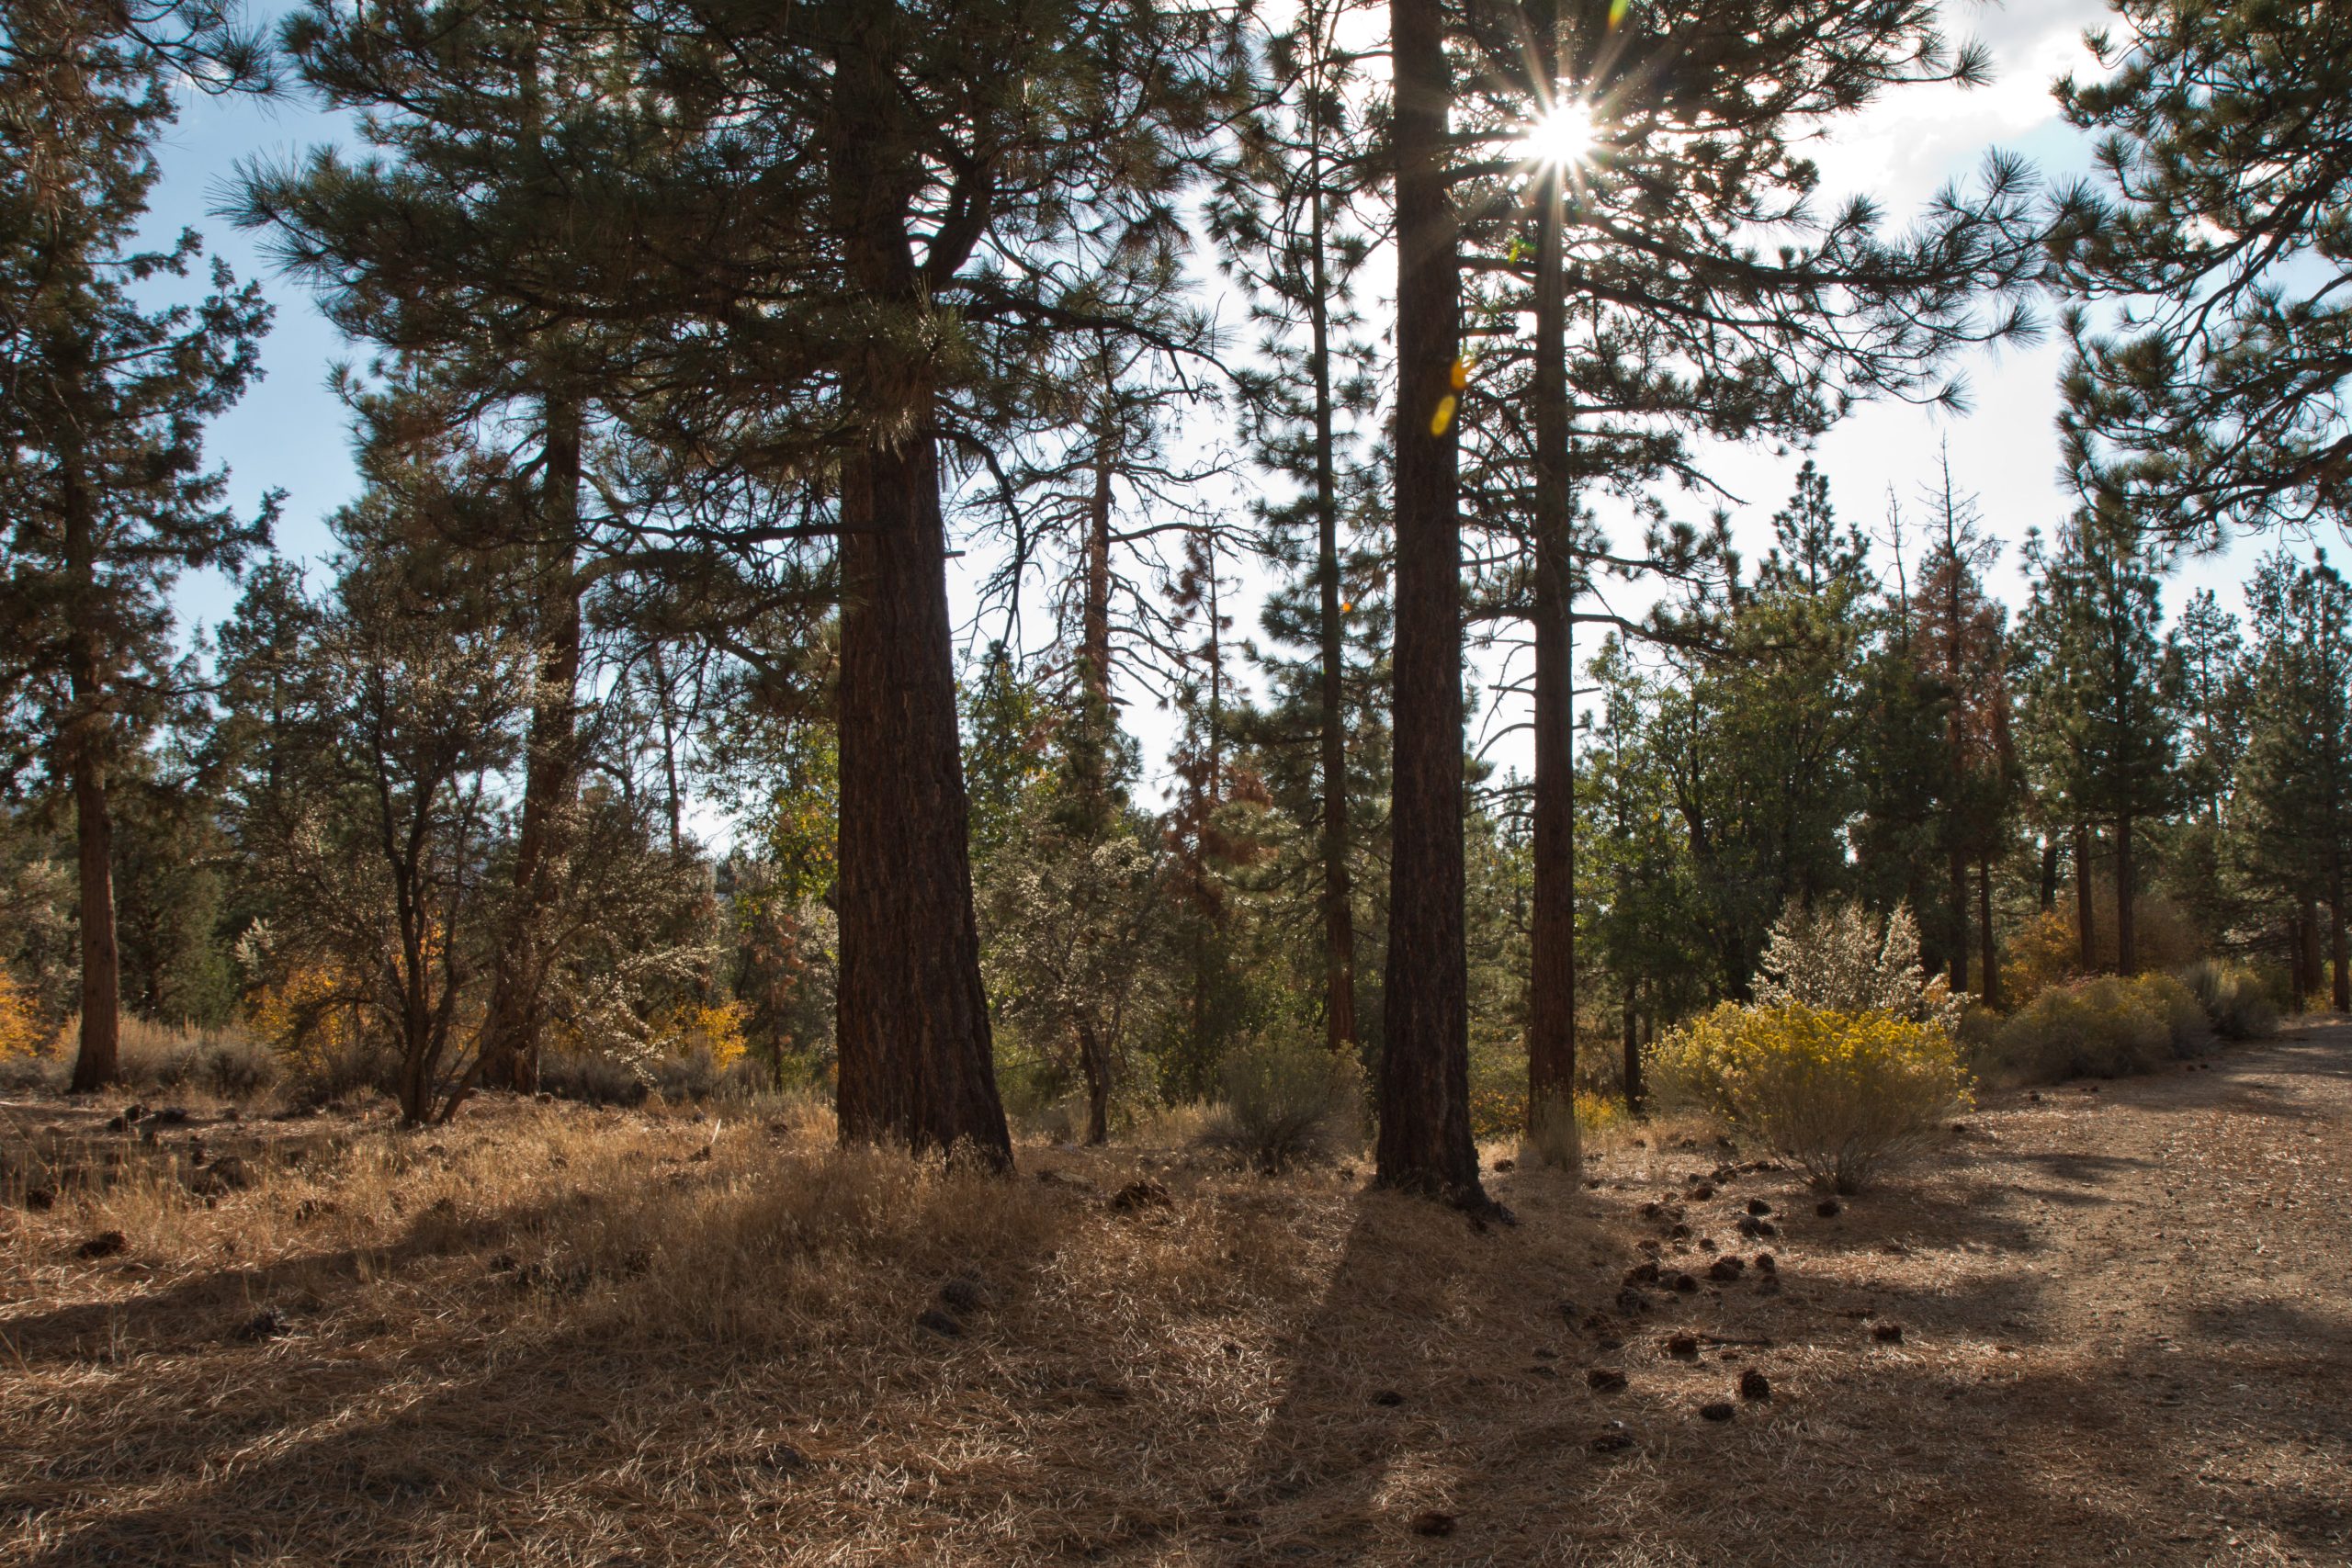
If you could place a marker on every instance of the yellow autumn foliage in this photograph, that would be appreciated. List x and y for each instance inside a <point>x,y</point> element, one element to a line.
<point>1838,1092</point>
<point>20,1031</point>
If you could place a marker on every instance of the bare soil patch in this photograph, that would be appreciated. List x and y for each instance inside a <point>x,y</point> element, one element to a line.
<point>2110,1323</point>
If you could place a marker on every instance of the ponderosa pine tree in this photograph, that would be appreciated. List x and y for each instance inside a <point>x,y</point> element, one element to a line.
<point>2296,777</point>
<point>2101,696</point>
<point>2213,394</point>
<point>1281,213</point>
<point>103,479</point>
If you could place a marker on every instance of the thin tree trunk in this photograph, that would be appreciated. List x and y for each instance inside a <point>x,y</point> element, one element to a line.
<point>916,1058</point>
<point>1992,992</point>
<point>2086,911</point>
<point>2049,875</point>
<point>2127,930</point>
<point>1633,1057</point>
<point>98,1061</point>
<point>2340,992</point>
<point>1959,893</point>
<point>1340,1031</point>
<point>1424,1094</point>
<point>1551,1133</point>
<point>1094,1061</point>
<point>2307,948</point>
<point>510,1045</point>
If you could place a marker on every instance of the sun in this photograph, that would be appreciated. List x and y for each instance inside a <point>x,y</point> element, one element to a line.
<point>1564,136</point>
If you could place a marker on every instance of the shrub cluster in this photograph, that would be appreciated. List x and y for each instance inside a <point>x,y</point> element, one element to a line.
<point>1841,1093</point>
<point>1284,1103</point>
<point>2233,997</point>
<point>2105,1027</point>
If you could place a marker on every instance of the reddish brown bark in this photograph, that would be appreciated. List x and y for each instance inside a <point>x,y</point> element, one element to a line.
<point>511,1025</point>
<point>916,1058</point>
<point>1424,1103</point>
<point>97,1062</point>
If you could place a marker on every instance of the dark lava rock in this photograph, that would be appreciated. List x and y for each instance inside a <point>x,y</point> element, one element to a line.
<point>963,1294</point>
<point>1389,1397</point>
<point>1685,1283</point>
<point>1680,1233</point>
<point>106,1243</point>
<point>263,1324</point>
<point>1754,1385</point>
<point>1605,1380</point>
<point>1766,1263</point>
<point>1703,1191</point>
<point>1631,1300</point>
<point>1610,1442</point>
<point>1429,1521</point>
<point>1829,1208</point>
<point>1727,1268</point>
<point>1643,1273</point>
<point>1720,1410</point>
<point>1503,1166</point>
<point>40,1199</point>
<point>117,1125</point>
<point>1652,1210</point>
<point>1540,1371</point>
<point>133,1112</point>
<point>1706,1243</point>
<point>1683,1346</point>
<point>782,1457</point>
<point>171,1115</point>
<point>939,1322</point>
<point>1757,1207</point>
<point>1144,1194</point>
<point>1888,1333</point>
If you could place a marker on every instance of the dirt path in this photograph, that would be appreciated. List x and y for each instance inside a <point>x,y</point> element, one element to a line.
<point>2126,1315</point>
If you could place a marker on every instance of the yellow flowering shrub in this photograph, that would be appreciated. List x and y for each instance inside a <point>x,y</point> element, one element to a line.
<point>1838,1092</point>
<point>702,1026</point>
<point>20,1031</point>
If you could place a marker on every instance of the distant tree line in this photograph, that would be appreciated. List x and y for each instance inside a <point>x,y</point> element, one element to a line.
<point>696,337</point>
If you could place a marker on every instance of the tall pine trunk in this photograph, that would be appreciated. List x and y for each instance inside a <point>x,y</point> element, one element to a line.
<point>2086,911</point>
<point>1958,875</point>
<point>512,1026</point>
<point>2340,991</point>
<point>916,1058</point>
<point>1633,1046</point>
<point>98,1061</point>
<point>1094,1062</point>
<point>1424,1095</point>
<point>1551,962</point>
<point>2127,928</point>
<point>2049,875</point>
<point>1339,1030</point>
<point>1992,992</point>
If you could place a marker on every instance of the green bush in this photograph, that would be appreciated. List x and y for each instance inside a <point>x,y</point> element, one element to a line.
<point>2235,998</point>
<point>1285,1104</point>
<point>2105,1027</point>
<point>1839,1092</point>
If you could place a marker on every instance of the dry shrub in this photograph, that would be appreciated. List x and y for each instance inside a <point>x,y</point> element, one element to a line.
<point>2105,1028</point>
<point>1285,1104</point>
<point>21,1035</point>
<point>1841,1093</point>
<point>2042,952</point>
<point>2233,997</point>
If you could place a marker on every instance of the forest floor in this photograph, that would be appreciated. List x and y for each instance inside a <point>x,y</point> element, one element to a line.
<point>548,1334</point>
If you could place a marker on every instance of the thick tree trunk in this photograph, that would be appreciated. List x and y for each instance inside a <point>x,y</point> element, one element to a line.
<point>1339,1030</point>
<point>2086,910</point>
<point>1551,1136</point>
<point>1992,991</point>
<point>511,1025</point>
<point>916,1055</point>
<point>2127,926</point>
<point>1424,1096</point>
<point>98,1061</point>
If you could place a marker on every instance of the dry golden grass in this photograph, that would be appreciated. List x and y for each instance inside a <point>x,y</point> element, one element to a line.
<point>549,1334</point>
